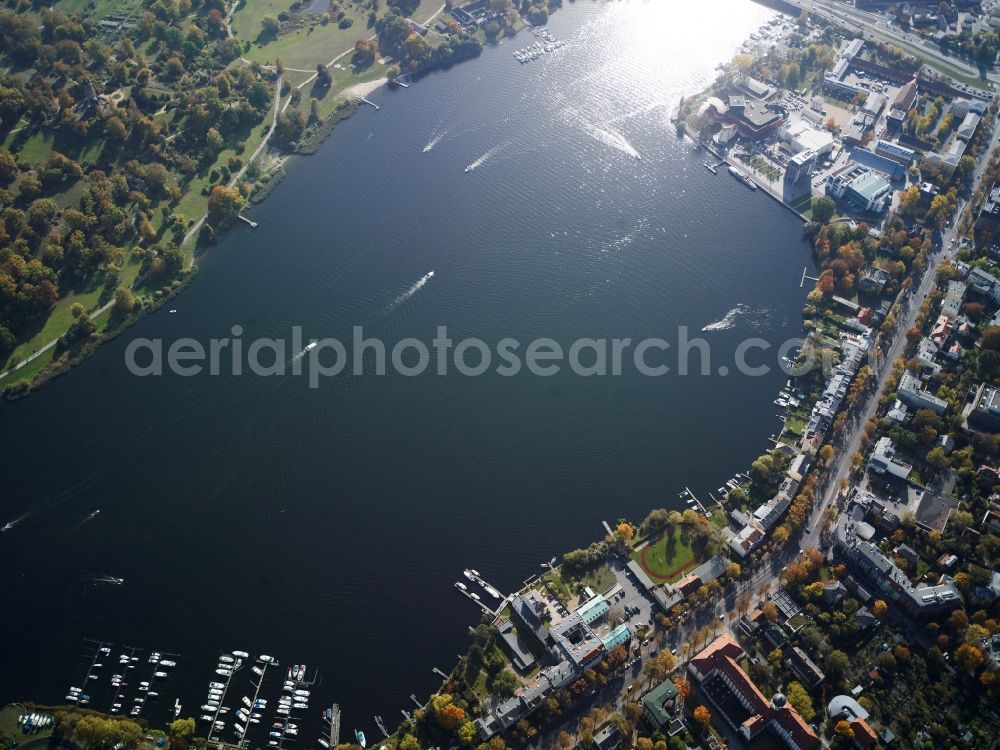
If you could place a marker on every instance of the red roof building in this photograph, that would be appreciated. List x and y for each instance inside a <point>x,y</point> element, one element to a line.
<point>747,710</point>
<point>688,585</point>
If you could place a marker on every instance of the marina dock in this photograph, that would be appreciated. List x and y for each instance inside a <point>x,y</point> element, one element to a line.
<point>696,500</point>
<point>473,599</point>
<point>334,725</point>
<point>243,741</point>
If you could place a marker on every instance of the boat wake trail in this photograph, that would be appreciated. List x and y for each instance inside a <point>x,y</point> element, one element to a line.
<point>757,318</point>
<point>420,284</point>
<point>612,138</point>
<point>435,140</point>
<point>485,157</point>
<point>88,518</point>
<point>11,524</point>
<point>113,580</point>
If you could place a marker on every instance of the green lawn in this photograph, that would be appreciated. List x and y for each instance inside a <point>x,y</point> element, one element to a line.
<point>32,145</point>
<point>98,9</point>
<point>307,46</point>
<point>667,558</point>
<point>599,579</point>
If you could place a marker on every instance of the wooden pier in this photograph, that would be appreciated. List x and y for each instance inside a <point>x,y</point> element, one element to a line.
<point>369,102</point>
<point>253,224</point>
<point>473,599</point>
<point>253,703</point>
<point>414,699</point>
<point>696,500</point>
<point>805,270</point>
<point>334,725</point>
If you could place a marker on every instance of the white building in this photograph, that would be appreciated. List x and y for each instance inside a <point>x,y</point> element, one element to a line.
<point>801,136</point>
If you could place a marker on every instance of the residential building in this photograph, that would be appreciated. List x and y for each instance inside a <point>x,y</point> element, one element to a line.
<point>985,412</point>
<point>883,460</point>
<point>912,393</point>
<point>661,708</point>
<point>888,579</point>
<point>804,668</point>
<point>990,212</point>
<point>873,280</point>
<point>905,97</point>
<point>520,653</point>
<point>985,284</point>
<point>740,702</point>
<point>967,129</point>
<point>608,737</point>
<point>894,151</point>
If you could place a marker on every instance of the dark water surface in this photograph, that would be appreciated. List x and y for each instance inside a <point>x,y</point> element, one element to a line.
<point>327,526</point>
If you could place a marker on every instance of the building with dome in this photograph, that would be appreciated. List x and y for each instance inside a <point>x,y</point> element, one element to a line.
<point>736,698</point>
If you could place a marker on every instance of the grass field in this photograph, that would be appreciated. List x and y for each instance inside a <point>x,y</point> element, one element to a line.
<point>98,9</point>
<point>667,558</point>
<point>305,47</point>
<point>32,145</point>
<point>599,579</point>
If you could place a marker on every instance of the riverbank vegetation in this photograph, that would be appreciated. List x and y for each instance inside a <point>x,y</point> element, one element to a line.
<point>124,121</point>
<point>114,132</point>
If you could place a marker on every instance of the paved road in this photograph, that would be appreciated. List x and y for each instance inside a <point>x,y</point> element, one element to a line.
<point>852,441</point>
<point>873,25</point>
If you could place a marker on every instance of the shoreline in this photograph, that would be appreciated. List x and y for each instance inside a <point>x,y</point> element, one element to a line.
<point>18,388</point>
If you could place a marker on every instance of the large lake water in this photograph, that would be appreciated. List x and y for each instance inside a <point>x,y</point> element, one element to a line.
<point>327,525</point>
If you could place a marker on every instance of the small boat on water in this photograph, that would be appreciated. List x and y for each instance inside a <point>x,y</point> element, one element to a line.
<point>474,572</point>
<point>360,736</point>
<point>241,654</point>
<point>468,574</point>
<point>226,659</point>
<point>265,657</point>
<point>460,585</point>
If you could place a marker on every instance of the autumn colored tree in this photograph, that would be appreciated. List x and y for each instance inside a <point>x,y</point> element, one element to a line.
<point>969,657</point>
<point>625,530</point>
<point>224,204</point>
<point>843,729</point>
<point>702,716</point>
<point>770,611</point>
<point>799,698</point>
<point>879,608</point>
